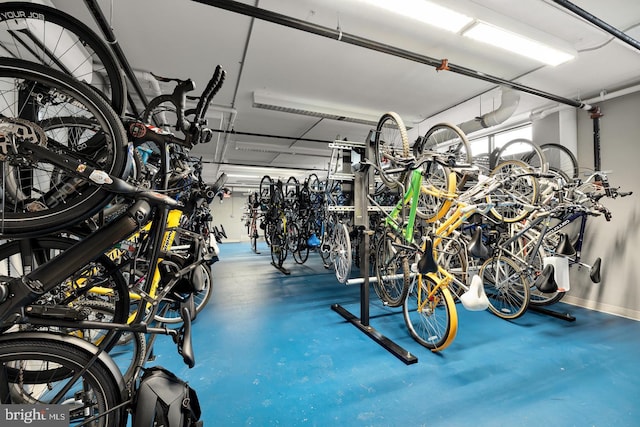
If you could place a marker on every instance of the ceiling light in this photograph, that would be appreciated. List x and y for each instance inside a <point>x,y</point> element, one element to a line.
<point>516,43</point>
<point>270,101</point>
<point>427,12</point>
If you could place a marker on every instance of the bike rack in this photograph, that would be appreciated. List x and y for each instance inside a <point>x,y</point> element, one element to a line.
<point>361,218</point>
<point>562,316</point>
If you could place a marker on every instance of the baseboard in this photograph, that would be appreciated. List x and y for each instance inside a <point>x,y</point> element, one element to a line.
<point>604,308</point>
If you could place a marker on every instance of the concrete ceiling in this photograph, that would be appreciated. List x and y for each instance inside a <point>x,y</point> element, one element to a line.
<point>263,60</point>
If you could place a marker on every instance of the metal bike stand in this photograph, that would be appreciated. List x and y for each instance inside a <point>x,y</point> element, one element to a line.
<point>361,219</point>
<point>558,315</point>
<point>281,268</point>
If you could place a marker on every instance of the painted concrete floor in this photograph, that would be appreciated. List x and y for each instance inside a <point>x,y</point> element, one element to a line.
<point>271,352</point>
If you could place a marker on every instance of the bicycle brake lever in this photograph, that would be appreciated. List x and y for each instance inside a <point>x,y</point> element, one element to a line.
<point>185,347</point>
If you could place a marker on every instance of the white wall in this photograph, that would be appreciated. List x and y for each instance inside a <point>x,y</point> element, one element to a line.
<point>229,214</point>
<point>617,242</point>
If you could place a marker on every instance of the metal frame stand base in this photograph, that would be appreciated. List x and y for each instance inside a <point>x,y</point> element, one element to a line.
<point>556,314</point>
<point>385,342</point>
<point>281,268</point>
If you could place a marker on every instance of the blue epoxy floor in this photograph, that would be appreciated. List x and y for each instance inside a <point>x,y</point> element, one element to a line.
<point>271,352</point>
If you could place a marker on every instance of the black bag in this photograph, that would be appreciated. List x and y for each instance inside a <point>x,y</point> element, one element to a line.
<point>165,400</point>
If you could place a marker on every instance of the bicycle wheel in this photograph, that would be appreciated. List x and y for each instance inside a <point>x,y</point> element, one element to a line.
<point>253,234</point>
<point>560,159</point>
<point>343,256</point>
<point>98,281</point>
<point>438,185</point>
<point>50,37</point>
<point>129,352</point>
<point>450,143</point>
<point>329,222</point>
<point>391,147</point>
<point>265,189</point>
<point>392,271</point>
<point>278,243</point>
<point>520,149</point>
<point>516,195</point>
<point>40,368</point>
<point>506,287</point>
<point>291,190</point>
<point>452,256</point>
<point>430,314</point>
<point>301,255</point>
<point>38,194</point>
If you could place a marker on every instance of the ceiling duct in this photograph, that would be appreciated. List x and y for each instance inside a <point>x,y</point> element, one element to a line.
<point>508,103</point>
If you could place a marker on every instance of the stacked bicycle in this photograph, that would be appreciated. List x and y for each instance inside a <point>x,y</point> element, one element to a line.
<point>86,274</point>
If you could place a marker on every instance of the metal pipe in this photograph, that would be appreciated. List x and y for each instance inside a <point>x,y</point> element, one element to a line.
<point>101,20</point>
<point>439,64</point>
<point>599,23</point>
<point>509,100</point>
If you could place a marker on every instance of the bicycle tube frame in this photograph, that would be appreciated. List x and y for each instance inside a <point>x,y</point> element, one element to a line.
<point>410,196</point>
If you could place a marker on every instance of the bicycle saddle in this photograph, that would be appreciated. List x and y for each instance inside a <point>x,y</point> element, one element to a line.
<point>546,282</point>
<point>475,299</point>
<point>476,247</point>
<point>427,264</point>
<point>564,246</point>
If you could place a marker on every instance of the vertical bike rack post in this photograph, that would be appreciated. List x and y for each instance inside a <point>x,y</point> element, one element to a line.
<point>363,177</point>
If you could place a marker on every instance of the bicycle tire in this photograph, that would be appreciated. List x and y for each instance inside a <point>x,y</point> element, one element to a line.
<point>342,260</point>
<point>328,224</point>
<point>18,257</point>
<point>278,243</point>
<point>560,159</point>
<point>450,143</point>
<point>391,145</point>
<point>265,189</point>
<point>291,190</point>
<point>39,196</point>
<point>301,254</point>
<point>129,352</point>
<point>253,234</point>
<point>520,149</point>
<point>518,192</point>
<point>392,271</point>
<point>506,287</point>
<point>435,324</point>
<point>98,391</point>
<point>451,255</point>
<point>50,37</point>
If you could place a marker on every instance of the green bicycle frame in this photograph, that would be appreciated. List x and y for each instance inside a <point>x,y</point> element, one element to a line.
<point>411,195</point>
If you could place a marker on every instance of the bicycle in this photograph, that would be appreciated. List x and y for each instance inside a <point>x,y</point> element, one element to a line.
<point>99,397</point>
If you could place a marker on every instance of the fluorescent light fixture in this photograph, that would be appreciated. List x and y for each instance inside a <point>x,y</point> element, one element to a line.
<point>277,102</point>
<point>425,11</point>
<point>516,43</point>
